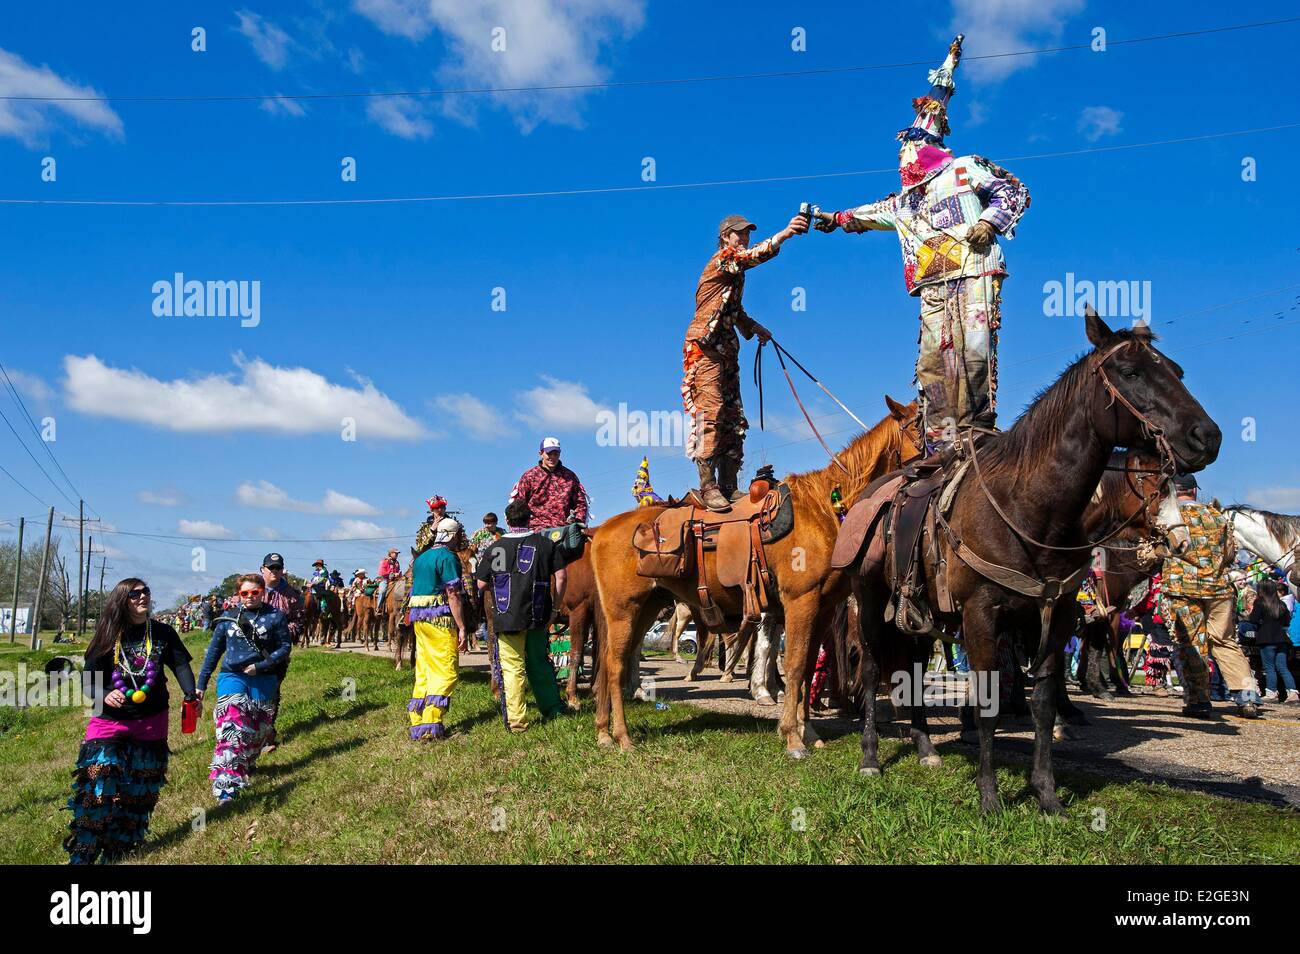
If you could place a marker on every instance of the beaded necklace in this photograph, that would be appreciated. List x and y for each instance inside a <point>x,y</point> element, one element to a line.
<point>141,666</point>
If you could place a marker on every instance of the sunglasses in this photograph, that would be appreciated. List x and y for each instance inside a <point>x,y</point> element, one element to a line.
<point>138,592</point>
<point>256,592</point>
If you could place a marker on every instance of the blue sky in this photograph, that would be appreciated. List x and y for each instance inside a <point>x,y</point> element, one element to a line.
<point>190,426</point>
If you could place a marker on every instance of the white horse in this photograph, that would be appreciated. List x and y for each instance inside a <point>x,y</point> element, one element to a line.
<point>1273,537</point>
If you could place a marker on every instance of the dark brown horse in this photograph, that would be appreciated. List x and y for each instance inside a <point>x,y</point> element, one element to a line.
<point>1022,509</point>
<point>807,587</point>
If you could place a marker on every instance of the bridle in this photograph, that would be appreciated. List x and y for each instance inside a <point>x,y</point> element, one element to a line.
<point>1155,433</point>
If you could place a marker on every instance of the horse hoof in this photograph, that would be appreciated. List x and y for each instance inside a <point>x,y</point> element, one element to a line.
<point>1059,734</point>
<point>764,699</point>
<point>605,741</point>
<point>626,745</point>
<point>870,771</point>
<point>933,761</point>
<point>727,677</point>
<point>797,755</point>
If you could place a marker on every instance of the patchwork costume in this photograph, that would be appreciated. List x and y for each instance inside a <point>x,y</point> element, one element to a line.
<point>435,575</point>
<point>517,569</point>
<point>246,702</point>
<point>1198,605</point>
<point>716,424</point>
<point>960,286</point>
<point>551,496</point>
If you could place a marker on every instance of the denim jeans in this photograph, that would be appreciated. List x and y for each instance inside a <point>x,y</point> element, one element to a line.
<point>1273,656</point>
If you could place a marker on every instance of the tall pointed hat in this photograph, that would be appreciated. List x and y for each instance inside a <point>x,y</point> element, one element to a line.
<point>923,151</point>
<point>641,489</point>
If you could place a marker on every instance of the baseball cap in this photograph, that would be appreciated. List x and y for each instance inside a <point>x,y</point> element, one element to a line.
<point>549,444</point>
<point>273,560</point>
<point>735,223</point>
<point>1185,482</point>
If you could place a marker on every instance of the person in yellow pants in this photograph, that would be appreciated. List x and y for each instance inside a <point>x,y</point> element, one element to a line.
<point>515,573</point>
<point>437,616</point>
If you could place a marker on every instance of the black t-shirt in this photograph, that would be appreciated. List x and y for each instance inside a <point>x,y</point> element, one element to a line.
<point>517,569</point>
<point>170,653</point>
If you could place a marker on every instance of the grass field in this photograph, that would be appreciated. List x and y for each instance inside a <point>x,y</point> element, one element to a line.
<point>702,787</point>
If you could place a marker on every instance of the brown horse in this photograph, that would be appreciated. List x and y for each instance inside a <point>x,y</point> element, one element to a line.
<point>1022,509</point>
<point>808,588</point>
<point>364,624</point>
<point>1137,508</point>
<point>581,605</point>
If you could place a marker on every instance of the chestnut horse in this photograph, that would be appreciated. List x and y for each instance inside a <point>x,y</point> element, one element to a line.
<point>1022,509</point>
<point>808,589</point>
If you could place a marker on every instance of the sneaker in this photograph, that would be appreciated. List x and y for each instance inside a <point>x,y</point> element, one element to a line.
<point>1248,710</point>
<point>1199,711</point>
<point>1270,695</point>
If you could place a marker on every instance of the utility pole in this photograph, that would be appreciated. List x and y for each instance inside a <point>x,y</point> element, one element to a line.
<point>85,589</point>
<point>102,566</point>
<point>40,586</point>
<point>18,572</point>
<point>81,557</point>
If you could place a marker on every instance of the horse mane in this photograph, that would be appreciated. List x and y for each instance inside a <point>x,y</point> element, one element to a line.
<point>859,457</point>
<point>1284,527</point>
<point>1049,412</point>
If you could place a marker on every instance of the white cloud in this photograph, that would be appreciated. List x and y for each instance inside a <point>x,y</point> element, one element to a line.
<point>263,398</point>
<point>270,43</point>
<point>266,533</point>
<point>283,107</point>
<point>483,421</point>
<point>30,121</point>
<point>402,116</point>
<point>161,498</point>
<point>1001,26</point>
<point>202,528</point>
<point>359,530</point>
<point>558,404</point>
<point>1280,499</point>
<point>268,496</point>
<point>547,42</point>
<point>1098,121</point>
<point>405,18</point>
<point>31,385</point>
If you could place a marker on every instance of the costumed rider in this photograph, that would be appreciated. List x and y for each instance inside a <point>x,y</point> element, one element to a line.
<point>438,618</point>
<point>948,217</point>
<point>319,584</point>
<point>715,439</point>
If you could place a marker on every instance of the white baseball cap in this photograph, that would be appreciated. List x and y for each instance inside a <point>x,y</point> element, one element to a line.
<point>549,444</point>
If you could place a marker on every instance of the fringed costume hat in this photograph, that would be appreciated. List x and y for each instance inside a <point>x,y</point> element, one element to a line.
<point>923,152</point>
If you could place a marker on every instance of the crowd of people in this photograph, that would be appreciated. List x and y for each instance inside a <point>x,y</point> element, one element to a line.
<point>518,574</point>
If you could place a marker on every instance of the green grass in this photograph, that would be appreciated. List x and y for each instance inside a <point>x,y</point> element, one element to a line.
<point>701,787</point>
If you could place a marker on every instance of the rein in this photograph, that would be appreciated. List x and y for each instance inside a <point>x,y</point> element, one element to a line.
<point>781,355</point>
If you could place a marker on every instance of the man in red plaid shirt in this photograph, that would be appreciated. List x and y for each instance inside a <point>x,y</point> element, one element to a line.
<point>551,490</point>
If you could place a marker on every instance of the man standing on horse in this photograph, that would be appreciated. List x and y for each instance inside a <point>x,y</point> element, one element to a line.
<point>551,490</point>
<point>948,217</point>
<point>1201,601</point>
<point>711,356</point>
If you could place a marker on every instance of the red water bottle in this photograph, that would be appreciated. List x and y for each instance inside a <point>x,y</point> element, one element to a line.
<point>189,716</point>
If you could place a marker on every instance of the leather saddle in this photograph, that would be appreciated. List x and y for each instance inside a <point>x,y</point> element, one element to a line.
<point>895,519</point>
<point>673,545</point>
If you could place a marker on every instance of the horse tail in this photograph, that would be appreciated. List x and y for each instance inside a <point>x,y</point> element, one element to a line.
<point>844,636</point>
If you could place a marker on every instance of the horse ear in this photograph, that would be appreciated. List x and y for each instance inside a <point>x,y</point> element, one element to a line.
<point>1099,332</point>
<point>896,410</point>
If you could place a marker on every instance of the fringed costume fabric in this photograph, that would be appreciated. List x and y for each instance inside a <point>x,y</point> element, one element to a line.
<point>244,715</point>
<point>115,788</point>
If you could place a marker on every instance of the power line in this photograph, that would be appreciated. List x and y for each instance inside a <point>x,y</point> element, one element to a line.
<point>23,486</point>
<point>607,190</point>
<point>22,405</point>
<point>630,84</point>
<point>39,467</point>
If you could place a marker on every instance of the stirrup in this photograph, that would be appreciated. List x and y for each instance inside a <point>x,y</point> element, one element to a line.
<point>913,618</point>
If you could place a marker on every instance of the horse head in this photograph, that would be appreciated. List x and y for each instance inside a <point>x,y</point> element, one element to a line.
<point>1143,402</point>
<point>908,417</point>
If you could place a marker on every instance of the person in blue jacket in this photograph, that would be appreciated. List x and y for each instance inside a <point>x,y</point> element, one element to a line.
<point>251,644</point>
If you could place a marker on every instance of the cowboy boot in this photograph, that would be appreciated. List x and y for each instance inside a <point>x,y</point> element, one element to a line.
<point>728,472</point>
<point>709,493</point>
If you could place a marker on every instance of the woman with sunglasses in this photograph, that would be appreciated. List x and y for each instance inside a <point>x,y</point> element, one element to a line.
<point>123,760</point>
<point>251,643</point>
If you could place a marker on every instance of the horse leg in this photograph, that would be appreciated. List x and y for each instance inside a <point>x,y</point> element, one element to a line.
<point>703,647</point>
<point>920,731</point>
<point>980,634</point>
<point>624,629</point>
<point>870,623</point>
<point>743,641</point>
<point>577,645</point>
<point>759,689</point>
<point>1042,779</point>
<point>799,618</point>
